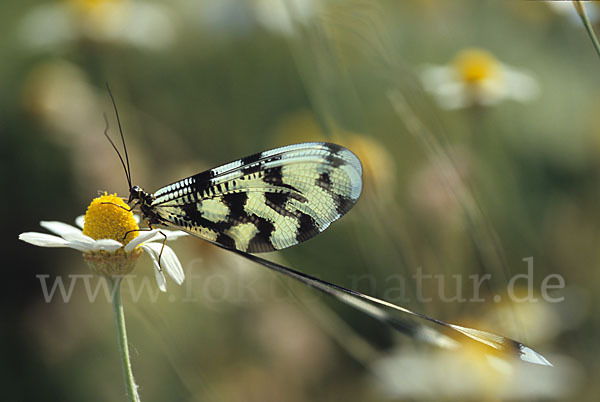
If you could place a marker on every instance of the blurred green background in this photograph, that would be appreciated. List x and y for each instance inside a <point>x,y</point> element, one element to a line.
<point>467,191</point>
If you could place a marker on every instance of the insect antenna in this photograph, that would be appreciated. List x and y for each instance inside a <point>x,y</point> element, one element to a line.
<point>116,150</point>
<point>126,167</point>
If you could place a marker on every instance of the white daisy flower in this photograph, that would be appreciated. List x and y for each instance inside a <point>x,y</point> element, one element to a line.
<point>476,78</point>
<point>110,240</point>
<point>136,23</point>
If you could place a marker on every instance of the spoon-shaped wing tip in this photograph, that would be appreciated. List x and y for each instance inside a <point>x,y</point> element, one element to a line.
<point>531,356</point>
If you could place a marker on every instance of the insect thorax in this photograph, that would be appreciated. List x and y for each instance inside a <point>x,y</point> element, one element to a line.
<point>144,201</point>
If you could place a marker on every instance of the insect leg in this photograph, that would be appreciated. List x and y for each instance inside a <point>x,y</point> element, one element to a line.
<point>162,248</point>
<point>136,230</point>
<point>163,242</point>
<point>120,206</point>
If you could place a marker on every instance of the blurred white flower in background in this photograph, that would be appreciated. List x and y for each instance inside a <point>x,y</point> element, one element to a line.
<point>281,16</point>
<point>234,18</point>
<point>59,95</point>
<point>470,374</point>
<point>135,23</point>
<point>535,318</point>
<point>476,78</point>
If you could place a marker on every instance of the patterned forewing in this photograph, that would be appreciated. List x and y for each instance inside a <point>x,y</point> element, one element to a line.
<point>267,201</point>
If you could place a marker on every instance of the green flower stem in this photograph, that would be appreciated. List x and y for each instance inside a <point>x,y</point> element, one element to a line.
<point>122,337</point>
<point>588,25</point>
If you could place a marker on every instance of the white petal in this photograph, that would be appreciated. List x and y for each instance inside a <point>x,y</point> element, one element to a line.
<point>169,261</point>
<point>82,246</point>
<point>157,235</point>
<point>84,240</point>
<point>141,238</point>
<point>154,235</point>
<point>160,280</point>
<point>109,245</point>
<point>148,26</point>
<point>46,25</point>
<point>43,239</point>
<point>160,277</point>
<point>489,92</point>
<point>60,228</point>
<point>171,235</point>
<point>433,76</point>
<point>521,86</point>
<point>452,95</point>
<point>79,221</point>
<point>74,236</point>
<point>46,240</point>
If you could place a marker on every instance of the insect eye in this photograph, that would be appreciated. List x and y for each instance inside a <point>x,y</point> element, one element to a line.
<point>134,192</point>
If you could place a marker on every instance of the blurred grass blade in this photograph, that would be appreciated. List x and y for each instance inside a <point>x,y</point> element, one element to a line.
<point>580,8</point>
<point>483,235</point>
<point>380,309</point>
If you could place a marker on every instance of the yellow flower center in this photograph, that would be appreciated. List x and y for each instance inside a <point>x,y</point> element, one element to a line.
<point>97,18</point>
<point>94,5</point>
<point>109,217</point>
<point>475,65</point>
